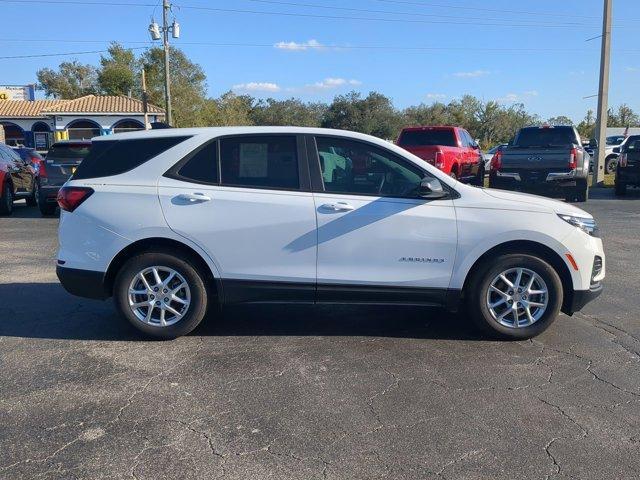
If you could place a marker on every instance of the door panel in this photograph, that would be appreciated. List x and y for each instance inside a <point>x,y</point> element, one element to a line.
<point>385,241</point>
<point>372,228</point>
<point>248,233</point>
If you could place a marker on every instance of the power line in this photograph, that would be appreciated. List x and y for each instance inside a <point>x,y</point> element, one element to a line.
<point>304,15</point>
<point>362,10</point>
<point>40,55</point>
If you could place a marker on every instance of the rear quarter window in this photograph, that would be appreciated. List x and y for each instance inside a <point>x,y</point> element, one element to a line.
<point>418,138</point>
<point>113,157</point>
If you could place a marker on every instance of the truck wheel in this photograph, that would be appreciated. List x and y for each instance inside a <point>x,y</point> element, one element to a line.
<point>161,295</point>
<point>515,296</point>
<point>582,191</point>
<point>610,164</point>
<point>621,188</point>
<point>6,200</point>
<point>479,180</point>
<point>46,209</point>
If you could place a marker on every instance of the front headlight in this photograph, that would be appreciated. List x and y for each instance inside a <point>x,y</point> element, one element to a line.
<point>587,225</point>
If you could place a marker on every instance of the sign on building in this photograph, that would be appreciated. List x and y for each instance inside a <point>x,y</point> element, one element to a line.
<point>17,92</point>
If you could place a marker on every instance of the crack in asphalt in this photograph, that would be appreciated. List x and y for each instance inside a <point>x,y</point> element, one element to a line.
<point>556,465</point>
<point>464,456</point>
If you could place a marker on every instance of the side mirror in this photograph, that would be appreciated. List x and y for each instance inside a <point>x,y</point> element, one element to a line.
<point>593,143</point>
<point>431,188</point>
<point>616,149</point>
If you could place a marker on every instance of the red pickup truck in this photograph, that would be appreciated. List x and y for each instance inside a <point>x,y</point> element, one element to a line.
<point>450,149</point>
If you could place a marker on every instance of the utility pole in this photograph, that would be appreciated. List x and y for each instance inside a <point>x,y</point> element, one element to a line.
<point>166,6</point>
<point>145,100</point>
<point>603,94</point>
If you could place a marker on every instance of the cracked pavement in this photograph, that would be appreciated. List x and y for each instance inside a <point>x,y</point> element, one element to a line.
<point>303,392</point>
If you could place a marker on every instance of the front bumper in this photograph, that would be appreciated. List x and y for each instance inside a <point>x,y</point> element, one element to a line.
<point>581,297</point>
<point>82,283</point>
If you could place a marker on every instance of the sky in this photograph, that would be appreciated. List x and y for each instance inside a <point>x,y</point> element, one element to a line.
<point>534,52</point>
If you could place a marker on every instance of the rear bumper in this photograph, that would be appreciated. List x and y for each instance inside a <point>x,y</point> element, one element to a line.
<point>628,177</point>
<point>82,283</point>
<point>581,297</point>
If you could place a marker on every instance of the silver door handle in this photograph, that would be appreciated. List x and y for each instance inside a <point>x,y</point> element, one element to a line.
<point>338,207</point>
<point>194,197</point>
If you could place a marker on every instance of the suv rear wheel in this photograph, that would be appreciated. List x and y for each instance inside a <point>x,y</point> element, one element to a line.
<point>161,295</point>
<point>515,296</point>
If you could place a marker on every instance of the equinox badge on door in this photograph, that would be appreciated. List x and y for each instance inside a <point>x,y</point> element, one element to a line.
<point>421,260</point>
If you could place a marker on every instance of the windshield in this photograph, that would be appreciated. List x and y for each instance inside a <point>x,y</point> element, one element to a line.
<point>616,140</point>
<point>418,138</point>
<point>68,152</point>
<point>545,137</point>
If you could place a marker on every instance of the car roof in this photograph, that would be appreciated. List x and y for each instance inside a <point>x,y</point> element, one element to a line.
<point>72,142</point>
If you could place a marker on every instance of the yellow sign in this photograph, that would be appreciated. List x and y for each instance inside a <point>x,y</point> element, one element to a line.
<point>17,92</point>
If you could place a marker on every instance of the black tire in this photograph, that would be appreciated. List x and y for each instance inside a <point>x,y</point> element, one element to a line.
<point>479,180</point>
<point>610,164</point>
<point>199,295</point>
<point>6,200</point>
<point>453,175</point>
<point>621,188</point>
<point>582,191</point>
<point>32,200</point>
<point>47,209</point>
<point>481,279</point>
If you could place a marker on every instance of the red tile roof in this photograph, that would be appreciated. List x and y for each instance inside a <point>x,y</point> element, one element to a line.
<point>97,104</point>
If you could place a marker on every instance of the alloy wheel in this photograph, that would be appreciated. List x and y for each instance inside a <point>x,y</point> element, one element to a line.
<point>159,296</point>
<point>517,297</point>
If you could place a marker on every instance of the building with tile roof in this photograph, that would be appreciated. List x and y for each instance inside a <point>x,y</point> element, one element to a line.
<point>37,123</point>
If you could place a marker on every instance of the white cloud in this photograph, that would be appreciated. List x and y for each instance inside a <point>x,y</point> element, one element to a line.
<point>531,93</point>
<point>295,46</point>
<point>473,74</point>
<point>332,83</point>
<point>509,98</point>
<point>632,69</point>
<point>436,96</point>
<point>256,87</point>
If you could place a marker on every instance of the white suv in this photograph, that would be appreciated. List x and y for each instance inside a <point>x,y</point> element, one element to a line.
<point>169,222</point>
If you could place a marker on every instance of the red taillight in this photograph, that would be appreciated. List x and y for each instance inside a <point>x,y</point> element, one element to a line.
<point>70,198</point>
<point>573,159</point>
<point>496,161</point>
<point>622,160</point>
<point>42,171</point>
<point>439,160</point>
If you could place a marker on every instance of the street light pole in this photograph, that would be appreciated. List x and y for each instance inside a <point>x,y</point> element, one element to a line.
<point>603,94</point>
<point>166,6</point>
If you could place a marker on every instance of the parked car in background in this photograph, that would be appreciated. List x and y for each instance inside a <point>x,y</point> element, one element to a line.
<point>450,149</point>
<point>17,180</point>
<point>171,222</point>
<point>547,159</point>
<point>628,166</point>
<point>61,162</point>
<point>611,155</point>
<point>488,155</point>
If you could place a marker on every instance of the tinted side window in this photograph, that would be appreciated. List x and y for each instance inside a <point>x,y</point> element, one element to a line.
<point>200,166</point>
<point>113,157</point>
<point>362,169</point>
<point>259,161</point>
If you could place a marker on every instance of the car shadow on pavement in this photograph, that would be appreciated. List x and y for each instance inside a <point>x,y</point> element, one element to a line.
<point>47,311</point>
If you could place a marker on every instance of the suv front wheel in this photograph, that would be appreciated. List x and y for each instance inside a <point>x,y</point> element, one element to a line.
<point>515,296</point>
<point>161,295</point>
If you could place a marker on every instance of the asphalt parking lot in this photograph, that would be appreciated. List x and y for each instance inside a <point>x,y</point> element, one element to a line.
<point>315,392</point>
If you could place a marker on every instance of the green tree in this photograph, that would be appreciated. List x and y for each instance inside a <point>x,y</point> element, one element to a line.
<point>188,85</point>
<point>586,127</point>
<point>374,114</point>
<point>118,74</point>
<point>560,120</point>
<point>71,80</point>
<point>288,112</point>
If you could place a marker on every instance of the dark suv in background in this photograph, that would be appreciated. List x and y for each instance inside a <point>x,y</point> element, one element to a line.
<point>547,159</point>
<point>61,162</point>
<point>628,168</point>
